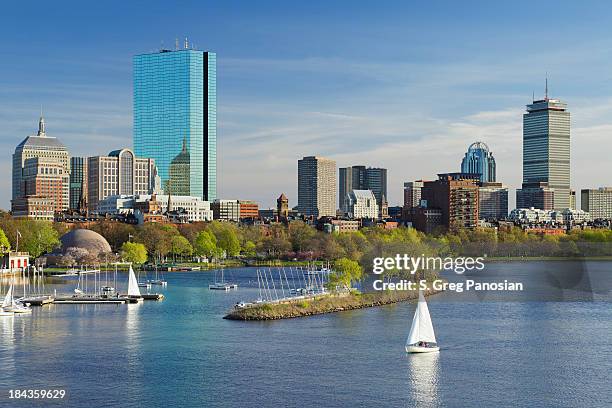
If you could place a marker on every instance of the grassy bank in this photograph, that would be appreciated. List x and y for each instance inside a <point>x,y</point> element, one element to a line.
<point>322,304</point>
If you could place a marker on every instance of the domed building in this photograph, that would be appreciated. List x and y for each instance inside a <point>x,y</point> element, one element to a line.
<point>86,239</point>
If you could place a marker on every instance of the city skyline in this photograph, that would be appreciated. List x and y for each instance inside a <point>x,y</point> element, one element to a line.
<point>276,99</point>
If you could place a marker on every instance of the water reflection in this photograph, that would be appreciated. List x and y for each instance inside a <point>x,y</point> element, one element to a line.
<point>7,348</point>
<point>132,330</point>
<point>423,375</point>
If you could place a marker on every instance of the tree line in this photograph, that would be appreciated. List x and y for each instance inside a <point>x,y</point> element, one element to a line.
<point>157,242</point>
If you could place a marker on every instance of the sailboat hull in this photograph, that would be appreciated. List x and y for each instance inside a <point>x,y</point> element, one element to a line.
<point>419,349</point>
<point>21,310</point>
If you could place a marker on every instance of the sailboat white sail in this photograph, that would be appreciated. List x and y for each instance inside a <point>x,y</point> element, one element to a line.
<point>9,304</point>
<point>8,299</point>
<point>133,290</point>
<point>422,338</point>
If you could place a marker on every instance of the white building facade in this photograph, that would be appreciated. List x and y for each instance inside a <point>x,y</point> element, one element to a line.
<point>226,210</point>
<point>196,208</point>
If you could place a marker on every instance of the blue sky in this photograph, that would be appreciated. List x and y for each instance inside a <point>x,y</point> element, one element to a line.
<point>402,85</point>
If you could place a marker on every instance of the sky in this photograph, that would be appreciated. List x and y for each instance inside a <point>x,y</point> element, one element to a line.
<point>405,85</point>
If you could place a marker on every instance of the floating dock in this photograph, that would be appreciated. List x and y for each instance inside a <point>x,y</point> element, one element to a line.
<point>87,299</point>
<point>153,296</point>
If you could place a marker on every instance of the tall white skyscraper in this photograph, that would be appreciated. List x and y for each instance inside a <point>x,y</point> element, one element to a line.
<point>317,187</point>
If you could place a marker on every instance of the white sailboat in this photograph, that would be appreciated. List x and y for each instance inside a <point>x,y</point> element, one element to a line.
<point>7,302</point>
<point>10,306</point>
<point>8,298</point>
<point>222,285</point>
<point>133,290</point>
<point>157,280</point>
<point>421,338</point>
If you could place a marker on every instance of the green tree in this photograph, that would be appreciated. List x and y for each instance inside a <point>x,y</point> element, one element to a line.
<point>5,245</point>
<point>301,235</point>
<point>249,249</point>
<point>37,237</point>
<point>228,242</point>
<point>346,271</point>
<point>191,230</point>
<point>134,252</point>
<point>181,246</point>
<point>205,244</point>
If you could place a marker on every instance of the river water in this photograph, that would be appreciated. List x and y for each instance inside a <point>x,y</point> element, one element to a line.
<point>550,345</point>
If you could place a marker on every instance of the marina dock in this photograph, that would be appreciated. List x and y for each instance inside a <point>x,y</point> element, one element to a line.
<point>87,299</point>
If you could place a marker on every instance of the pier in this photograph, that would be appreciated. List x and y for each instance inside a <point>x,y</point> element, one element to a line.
<point>43,300</point>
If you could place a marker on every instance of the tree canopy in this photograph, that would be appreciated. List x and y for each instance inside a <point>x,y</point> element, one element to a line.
<point>134,252</point>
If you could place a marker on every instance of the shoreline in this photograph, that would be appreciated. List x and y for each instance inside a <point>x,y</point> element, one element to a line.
<point>279,264</point>
<point>325,304</point>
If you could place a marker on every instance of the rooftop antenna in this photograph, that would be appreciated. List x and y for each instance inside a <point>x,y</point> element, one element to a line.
<point>533,96</point>
<point>546,89</point>
<point>186,43</point>
<point>176,44</point>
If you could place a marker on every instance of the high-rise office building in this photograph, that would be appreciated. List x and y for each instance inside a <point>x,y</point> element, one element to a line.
<point>479,160</point>
<point>345,186</point>
<point>362,178</point>
<point>546,150</point>
<point>52,156</point>
<point>120,173</point>
<point>376,182</point>
<point>492,201</point>
<point>78,182</point>
<point>175,118</point>
<point>597,202</point>
<point>317,187</point>
<point>412,193</point>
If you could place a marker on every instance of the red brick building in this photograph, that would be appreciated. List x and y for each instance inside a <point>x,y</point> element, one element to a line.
<point>456,196</point>
<point>249,210</point>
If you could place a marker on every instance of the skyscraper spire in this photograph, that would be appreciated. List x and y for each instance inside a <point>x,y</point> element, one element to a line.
<point>41,125</point>
<point>546,88</point>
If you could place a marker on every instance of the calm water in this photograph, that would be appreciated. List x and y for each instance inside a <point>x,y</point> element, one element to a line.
<point>180,352</point>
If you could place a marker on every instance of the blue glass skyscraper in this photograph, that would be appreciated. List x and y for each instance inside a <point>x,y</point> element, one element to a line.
<point>479,160</point>
<point>175,118</point>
